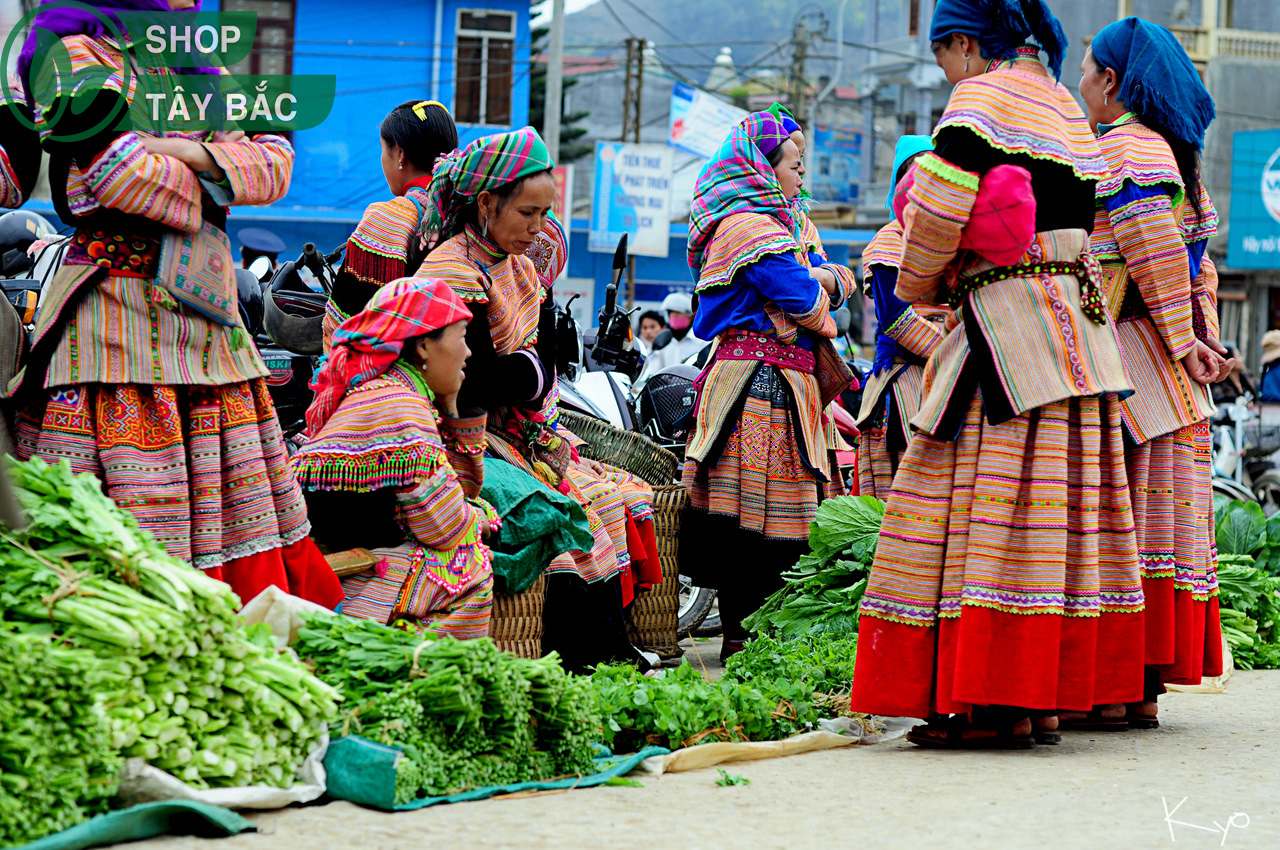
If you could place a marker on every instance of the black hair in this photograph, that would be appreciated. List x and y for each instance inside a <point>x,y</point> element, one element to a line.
<point>423,140</point>
<point>1184,154</point>
<point>652,314</point>
<point>941,44</point>
<point>693,302</point>
<point>409,351</point>
<point>469,214</point>
<point>906,165</point>
<point>775,156</point>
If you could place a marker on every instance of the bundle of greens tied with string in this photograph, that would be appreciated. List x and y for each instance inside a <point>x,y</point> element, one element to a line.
<point>170,670</point>
<point>464,713</point>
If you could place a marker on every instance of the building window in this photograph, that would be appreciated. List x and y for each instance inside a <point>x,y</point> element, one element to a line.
<point>483,75</point>
<point>272,51</point>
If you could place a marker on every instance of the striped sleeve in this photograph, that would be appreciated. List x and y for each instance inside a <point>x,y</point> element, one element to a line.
<point>258,169</point>
<point>1204,289</point>
<point>465,440</point>
<point>125,177</point>
<point>1149,239</point>
<point>915,333</point>
<point>939,205</point>
<point>436,512</point>
<point>846,284</point>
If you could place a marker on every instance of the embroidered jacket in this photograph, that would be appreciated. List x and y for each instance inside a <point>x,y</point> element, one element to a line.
<point>104,318</point>
<point>1151,243</point>
<point>1024,341</point>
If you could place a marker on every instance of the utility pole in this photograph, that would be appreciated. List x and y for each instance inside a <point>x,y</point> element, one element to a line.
<point>633,86</point>
<point>799,55</point>
<point>555,80</point>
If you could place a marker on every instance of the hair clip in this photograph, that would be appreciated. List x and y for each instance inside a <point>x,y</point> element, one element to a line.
<point>420,109</point>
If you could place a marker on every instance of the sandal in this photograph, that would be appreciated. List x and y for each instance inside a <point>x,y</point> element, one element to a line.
<point>1042,735</point>
<point>1138,720</point>
<point>959,733</point>
<point>1152,688</point>
<point>1094,721</point>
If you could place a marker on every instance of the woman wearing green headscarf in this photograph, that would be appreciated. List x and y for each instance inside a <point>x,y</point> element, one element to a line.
<point>491,203</point>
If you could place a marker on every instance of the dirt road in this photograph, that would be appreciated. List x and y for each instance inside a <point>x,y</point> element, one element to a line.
<point>1096,790</point>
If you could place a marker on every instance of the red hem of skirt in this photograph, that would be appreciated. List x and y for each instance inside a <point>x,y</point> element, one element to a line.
<point>298,569</point>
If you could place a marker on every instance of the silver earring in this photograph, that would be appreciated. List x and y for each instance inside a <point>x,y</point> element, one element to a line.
<point>966,63</point>
<point>402,166</point>
<point>1106,99</point>
<point>486,228</point>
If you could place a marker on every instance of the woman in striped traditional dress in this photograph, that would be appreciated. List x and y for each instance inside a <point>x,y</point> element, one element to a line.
<point>141,372</point>
<point>1154,219</point>
<point>815,255</point>
<point>905,337</point>
<point>756,465</point>
<point>389,242</point>
<point>1005,582</point>
<point>393,466</point>
<point>491,205</point>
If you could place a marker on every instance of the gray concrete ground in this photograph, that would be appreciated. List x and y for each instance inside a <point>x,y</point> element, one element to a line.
<point>1215,760</point>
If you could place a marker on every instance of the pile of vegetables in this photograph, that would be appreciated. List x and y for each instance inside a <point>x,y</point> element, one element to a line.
<point>1249,583</point>
<point>823,590</point>
<point>465,713</point>
<point>190,690</point>
<point>771,690</point>
<point>57,763</point>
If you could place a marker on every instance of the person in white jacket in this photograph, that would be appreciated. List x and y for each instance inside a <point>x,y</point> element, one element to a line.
<point>677,343</point>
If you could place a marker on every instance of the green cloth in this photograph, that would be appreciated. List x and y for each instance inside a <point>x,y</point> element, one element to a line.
<point>364,772</point>
<point>537,525</point>
<point>147,820</point>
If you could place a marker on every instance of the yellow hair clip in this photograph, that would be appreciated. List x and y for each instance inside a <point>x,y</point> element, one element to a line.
<point>420,109</point>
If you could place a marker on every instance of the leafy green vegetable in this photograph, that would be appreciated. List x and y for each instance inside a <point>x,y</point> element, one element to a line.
<point>821,594</point>
<point>1249,611</point>
<point>465,713</point>
<point>824,664</point>
<point>206,699</point>
<point>726,778</point>
<point>1241,528</point>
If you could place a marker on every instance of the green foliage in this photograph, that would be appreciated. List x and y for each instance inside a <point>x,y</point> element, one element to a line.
<point>1249,583</point>
<point>727,779</point>
<point>466,714</point>
<point>822,592</point>
<point>57,764</point>
<point>823,664</point>
<point>191,690</point>
<point>570,146</point>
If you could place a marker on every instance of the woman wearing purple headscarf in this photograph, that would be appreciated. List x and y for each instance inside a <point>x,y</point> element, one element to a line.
<point>757,463</point>
<point>141,372</point>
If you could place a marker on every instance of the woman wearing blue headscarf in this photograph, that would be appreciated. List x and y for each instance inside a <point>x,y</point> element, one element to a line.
<point>1150,110</point>
<point>1005,584</point>
<point>905,337</point>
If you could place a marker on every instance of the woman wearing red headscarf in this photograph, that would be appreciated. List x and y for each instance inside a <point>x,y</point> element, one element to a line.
<point>393,467</point>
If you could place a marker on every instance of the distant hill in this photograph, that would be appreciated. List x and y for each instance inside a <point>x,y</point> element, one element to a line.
<point>750,27</point>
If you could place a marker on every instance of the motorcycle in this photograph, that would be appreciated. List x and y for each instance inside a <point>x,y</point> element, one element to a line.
<point>1242,450</point>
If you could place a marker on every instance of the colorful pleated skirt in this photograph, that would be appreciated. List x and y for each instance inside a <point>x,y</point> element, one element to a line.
<point>381,595</point>
<point>1006,571</point>
<point>887,429</point>
<point>1171,482</point>
<point>761,476</point>
<point>203,468</point>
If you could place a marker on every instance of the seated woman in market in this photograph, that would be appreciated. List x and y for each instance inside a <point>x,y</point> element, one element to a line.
<point>392,466</point>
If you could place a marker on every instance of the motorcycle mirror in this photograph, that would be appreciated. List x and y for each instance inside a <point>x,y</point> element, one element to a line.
<point>843,320</point>
<point>261,268</point>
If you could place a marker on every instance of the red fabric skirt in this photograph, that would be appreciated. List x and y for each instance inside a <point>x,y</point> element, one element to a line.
<point>1171,481</point>
<point>1006,572</point>
<point>204,469</point>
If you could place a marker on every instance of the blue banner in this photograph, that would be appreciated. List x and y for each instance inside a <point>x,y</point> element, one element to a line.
<point>837,164</point>
<point>1254,241</point>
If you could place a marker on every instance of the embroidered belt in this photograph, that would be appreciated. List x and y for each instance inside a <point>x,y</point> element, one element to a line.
<point>1086,269</point>
<point>136,255</point>
<point>741,345</point>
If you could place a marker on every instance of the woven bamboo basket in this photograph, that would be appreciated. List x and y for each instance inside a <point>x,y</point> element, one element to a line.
<point>516,626</point>
<point>627,450</point>
<point>655,615</point>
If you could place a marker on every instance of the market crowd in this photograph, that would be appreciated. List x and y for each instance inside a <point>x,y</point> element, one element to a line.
<point>1036,418</point>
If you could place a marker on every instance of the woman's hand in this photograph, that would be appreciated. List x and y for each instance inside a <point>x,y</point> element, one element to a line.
<point>1228,362</point>
<point>593,467</point>
<point>826,278</point>
<point>192,154</point>
<point>1202,363</point>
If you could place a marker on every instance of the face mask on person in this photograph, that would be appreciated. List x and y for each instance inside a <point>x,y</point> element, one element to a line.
<point>679,324</point>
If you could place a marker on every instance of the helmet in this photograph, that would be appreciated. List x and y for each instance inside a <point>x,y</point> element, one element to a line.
<point>18,229</point>
<point>293,315</point>
<point>666,404</point>
<point>679,302</point>
<point>249,291</point>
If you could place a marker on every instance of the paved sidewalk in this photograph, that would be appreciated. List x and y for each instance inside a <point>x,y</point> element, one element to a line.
<point>1096,790</point>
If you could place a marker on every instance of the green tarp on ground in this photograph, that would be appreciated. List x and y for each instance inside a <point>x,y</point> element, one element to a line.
<point>364,772</point>
<point>171,817</point>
